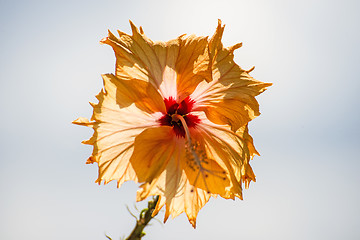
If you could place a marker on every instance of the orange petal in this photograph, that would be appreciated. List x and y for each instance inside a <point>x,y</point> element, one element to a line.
<point>169,184</point>
<point>174,67</point>
<point>82,122</point>
<point>115,124</point>
<point>193,65</point>
<point>143,94</point>
<point>230,97</point>
<point>194,200</point>
<point>203,171</point>
<point>154,147</point>
<point>137,57</point>
<point>247,174</point>
<point>176,193</point>
<point>232,151</point>
<point>244,133</point>
<point>174,189</point>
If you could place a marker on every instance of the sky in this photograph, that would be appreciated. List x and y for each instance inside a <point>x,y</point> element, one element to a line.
<point>308,133</point>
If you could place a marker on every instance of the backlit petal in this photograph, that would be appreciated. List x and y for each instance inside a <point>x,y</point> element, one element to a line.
<point>169,184</point>
<point>129,91</point>
<point>154,147</point>
<point>174,67</point>
<point>135,57</point>
<point>174,188</point>
<point>230,97</point>
<point>206,170</point>
<point>232,152</point>
<point>193,65</point>
<point>176,193</point>
<point>247,174</point>
<point>115,129</point>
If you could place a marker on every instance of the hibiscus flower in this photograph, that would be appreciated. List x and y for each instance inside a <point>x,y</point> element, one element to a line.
<point>174,117</point>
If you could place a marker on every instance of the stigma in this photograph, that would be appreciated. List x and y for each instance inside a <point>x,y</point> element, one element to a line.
<point>174,109</point>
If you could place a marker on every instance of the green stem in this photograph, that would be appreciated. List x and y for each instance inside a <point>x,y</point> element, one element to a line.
<point>144,218</point>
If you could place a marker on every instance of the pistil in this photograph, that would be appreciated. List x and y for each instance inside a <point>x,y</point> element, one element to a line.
<point>176,117</point>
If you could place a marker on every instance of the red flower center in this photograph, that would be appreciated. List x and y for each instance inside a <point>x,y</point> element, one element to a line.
<point>183,109</point>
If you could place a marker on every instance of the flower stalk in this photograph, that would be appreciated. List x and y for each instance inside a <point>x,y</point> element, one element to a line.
<point>144,218</point>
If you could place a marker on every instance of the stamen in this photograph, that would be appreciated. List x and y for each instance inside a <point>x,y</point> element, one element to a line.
<point>176,117</point>
<point>198,160</point>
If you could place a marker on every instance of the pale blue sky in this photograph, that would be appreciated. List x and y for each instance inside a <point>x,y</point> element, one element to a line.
<point>308,134</point>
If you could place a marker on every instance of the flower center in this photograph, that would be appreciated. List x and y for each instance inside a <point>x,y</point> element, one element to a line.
<point>183,109</point>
